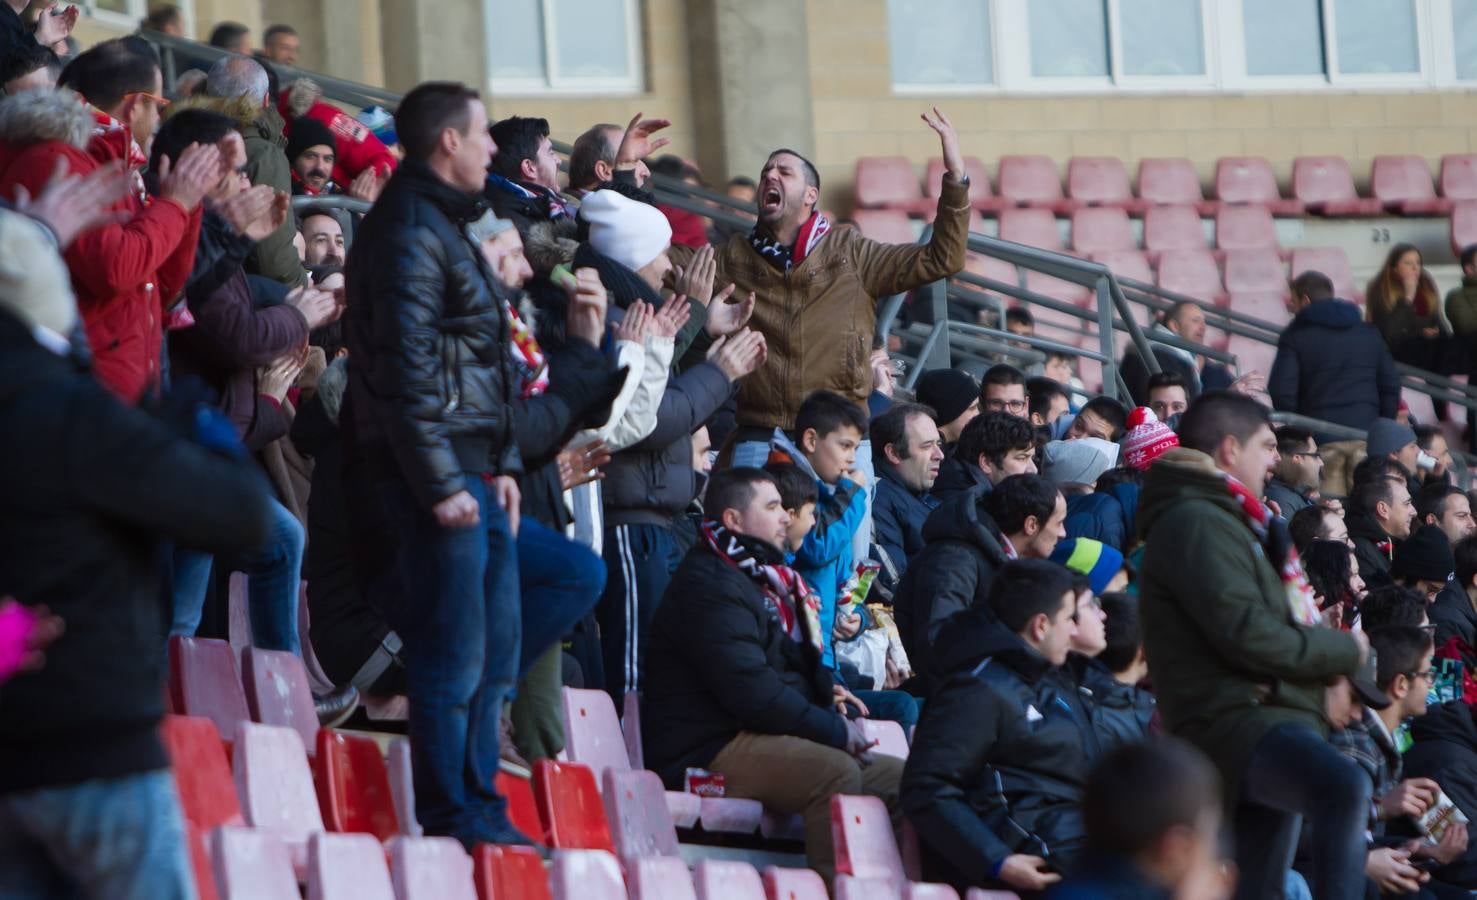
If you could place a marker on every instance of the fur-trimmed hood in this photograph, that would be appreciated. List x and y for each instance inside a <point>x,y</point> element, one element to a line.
<point>546,245</point>
<point>33,117</point>
<point>253,119</point>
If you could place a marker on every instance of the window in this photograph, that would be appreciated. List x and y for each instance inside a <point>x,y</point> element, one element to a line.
<point>585,46</point>
<point>940,43</point>
<point>1162,38</point>
<point>128,13</point>
<point>1376,37</point>
<point>1464,33</point>
<point>1069,38</point>
<point>1283,37</point>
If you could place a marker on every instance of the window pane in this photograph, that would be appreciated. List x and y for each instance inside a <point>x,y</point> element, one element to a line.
<point>940,41</point>
<point>516,39</point>
<point>1069,38</point>
<point>1464,31</point>
<point>590,36</point>
<point>1283,37</point>
<point>117,6</point>
<point>1376,36</point>
<point>1161,37</point>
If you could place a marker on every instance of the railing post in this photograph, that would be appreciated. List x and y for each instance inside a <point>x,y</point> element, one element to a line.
<point>937,352</point>
<point>1105,337</point>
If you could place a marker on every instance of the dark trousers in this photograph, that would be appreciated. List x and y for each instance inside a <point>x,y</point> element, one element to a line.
<point>560,581</point>
<point>639,561</point>
<point>1295,773</point>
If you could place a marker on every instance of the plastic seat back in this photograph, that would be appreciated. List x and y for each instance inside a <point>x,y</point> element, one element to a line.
<point>277,692</point>
<point>1169,182</point>
<point>1459,176</point>
<point>886,181</point>
<point>636,809</point>
<point>1241,227</point>
<point>348,867</point>
<point>509,873</point>
<point>1191,272</point>
<point>1398,179</point>
<point>203,681</point>
<point>659,878</point>
<point>354,786</point>
<point>1245,179</point>
<point>1258,271</point>
<point>431,868</point>
<point>723,879</point>
<point>592,733</point>
<point>587,875</point>
<point>402,786</point>
<point>631,730</point>
<point>917,891</point>
<point>1463,225</point>
<point>1132,264</point>
<point>1173,228</point>
<point>890,226</point>
<point>569,806</point>
<point>1323,179</point>
<point>980,194</point>
<point>794,884</point>
<point>862,833</point>
<point>1036,227</point>
<point>274,783</point>
<point>1252,355</point>
<point>252,865</point>
<point>1099,229</point>
<point>850,887</point>
<point>1030,180</point>
<point>202,773</point>
<point>523,809</point>
<point>1100,180</point>
<point>891,741</point>
<point>1331,261</point>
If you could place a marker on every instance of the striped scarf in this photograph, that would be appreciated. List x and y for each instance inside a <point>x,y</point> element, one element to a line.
<point>1271,533</point>
<point>784,257</point>
<point>789,598</point>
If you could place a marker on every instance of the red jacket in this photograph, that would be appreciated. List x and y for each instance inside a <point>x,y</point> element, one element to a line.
<point>125,274</point>
<point>356,147</point>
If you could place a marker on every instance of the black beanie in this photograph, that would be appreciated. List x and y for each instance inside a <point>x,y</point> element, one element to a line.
<point>307,132</point>
<point>1425,555</point>
<point>947,391</point>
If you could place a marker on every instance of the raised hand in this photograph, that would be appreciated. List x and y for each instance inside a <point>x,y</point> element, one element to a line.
<point>727,316</point>
<point>948,141</point>
<point>739,354</point>
<point>72,204</point>
<point>318,307</point>
<point>671,317</point>
<point>586,315</point>
<point>637,144</point>
<point>582,465</point>
<point>637,323</point>
<point>54,26</point>
<point>278,378</point>
<point>241,210</point>
<point>188,181</point>
<point>696,279</point>
<point>368,184</point>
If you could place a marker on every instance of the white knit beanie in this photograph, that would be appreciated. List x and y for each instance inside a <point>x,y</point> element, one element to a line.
<point>628,231</point>
<point>34,283</point>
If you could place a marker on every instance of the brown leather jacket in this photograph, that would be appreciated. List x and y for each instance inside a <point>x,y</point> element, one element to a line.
<point>818,319</point>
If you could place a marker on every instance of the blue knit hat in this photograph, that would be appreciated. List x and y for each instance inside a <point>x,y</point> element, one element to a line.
<point>1085,556</point>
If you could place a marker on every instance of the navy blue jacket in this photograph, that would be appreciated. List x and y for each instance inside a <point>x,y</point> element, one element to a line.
<point>1330,365</point>
<point>898,515</point>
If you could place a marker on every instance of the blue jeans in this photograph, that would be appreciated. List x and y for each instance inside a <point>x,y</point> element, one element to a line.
<point>454,601</point>
<point>120,838</point>
<point>273,573</point>
<point>560,582</point>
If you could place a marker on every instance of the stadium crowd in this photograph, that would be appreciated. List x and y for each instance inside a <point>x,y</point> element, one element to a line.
<point>518,430</point>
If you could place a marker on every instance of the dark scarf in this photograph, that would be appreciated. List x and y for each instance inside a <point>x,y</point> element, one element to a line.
<point>790,599</point>
<point>784,257</point>
<point>624,285</point>
<point>545,200</point>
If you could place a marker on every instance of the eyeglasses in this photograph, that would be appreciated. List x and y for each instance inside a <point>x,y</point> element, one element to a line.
<point>1428,676</point>
<point>1086,606</point>
<point>159,101</point>
<point>1014,406</point>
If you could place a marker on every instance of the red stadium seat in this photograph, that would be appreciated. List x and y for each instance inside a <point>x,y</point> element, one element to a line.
<point>1101,181</point>
<point>203,681</point>
<point>277,693</point>
<point>569,806</point>
<point>1173,182</point>
<point>916,891</point>
<point>587,875</point>
<point>636,809</point>
<point>659,878</point>
<point>1249,179</point>
<point>793,884</point>
<point>1101,230</point>
<point>1192,273</point>
<point>252,863</point>
<point>1172,228</point>
<point>981,198</point>
<point>1463,225</point>
<point>509,873</point>
<point>1131,264</point>
<point>353,786</point>
<point>865,846</point>
<point>402,788</point>
<point>889,182</point>
<point>1244,227</point>
<point>717,879</point>
<point>1331,261</point>
<point>348,867</point>
<point>523,809</point>
<point>1254,271</point>
<point>849,887</point>
<point>1403,185</point>
<point>890,226</point>
<point>202,773</point>
<point>1325,186</point>
<point>889,736</point>
<point>1033,181</point>
<point>1252,355</point>
<point>431,868</point>
<point>1459,176</point>
<point>1036,227</point>
<point>276,787</point>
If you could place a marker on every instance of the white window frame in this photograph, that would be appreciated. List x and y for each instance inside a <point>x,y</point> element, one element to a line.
<point>137,10</point>
<point>551,82</point>
<point>915,88</point>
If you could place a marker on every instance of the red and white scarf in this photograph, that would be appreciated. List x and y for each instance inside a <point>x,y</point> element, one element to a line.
<point>1271,533</point>
<point>528,356</point>
<point>785,257</point>
<point>118,140</point>
<point>790,599</point>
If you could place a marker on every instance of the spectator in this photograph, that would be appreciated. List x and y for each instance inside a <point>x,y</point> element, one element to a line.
<point>1020,322</point>
<point>1380,513</point>
<point>1153,816</point>
<point>688,228</point>
<point>1124,710</point>
<point>993,783</point>
<point>1223,615</point>
<point>523,184</point>
<point>323,240</point>
<point>737,684</point>
<point>799,495</point>
<point>1185,321</point>
<point>125,271</point>
<point>232,36</point>
<point>992,448</point>
<point>46,30</point>
<point>1448,508</point>
<point>1404,306</point>
<point>238,87</point>
<point>87,799</point>
<point>1048,402</point>
<point>1461,306</point>
<point>1168,396</point>
<point>1003,389</point>
<point>30,67</point>
<point>1101,564</point>
<point>1146,439</point>
<point>907,453</point>
<point>1101,417</point>
<point>1424,562</point>
<point>1329,364</point>
<point>1333,573</point>
<point>1317,523</point>
<point>955,398</point>
<point>1444,743</point>
<point>311,151</point>
<point>1393,604</point>
<point>1393,442</point>
<point>1298,473</point>
<point>1431,441</point>
<point>594,158</point>
<point>825,337</point>
<point>1104,509</point>
<point>362,162</point>
<point>1454,612</point>
<point>280,44</point>
<point>1078,462</point>
<point>164,18</point>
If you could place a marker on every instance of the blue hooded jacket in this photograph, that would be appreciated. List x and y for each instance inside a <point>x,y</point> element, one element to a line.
<point>1331,365</point>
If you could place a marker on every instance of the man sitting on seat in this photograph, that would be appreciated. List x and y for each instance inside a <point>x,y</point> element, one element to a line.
<point>993,447</point>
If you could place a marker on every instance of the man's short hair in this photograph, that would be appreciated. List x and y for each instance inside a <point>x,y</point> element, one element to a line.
<point>742,181</point>
<point>1123,631</point>
<point>1167,379</point>
<point>1431,499</point>
<point>892,428</point>
<point>1138,792</point>
<point>238,76</point>
<point>1399,650</point>
<point>1369,494</point>
<point>108,72</point>
<point>1469,253</point>
<point>826,411</point>
<point>1306,525</point>
<point>1040,392</point>
<point>517,138</point>
<point>1117,475</point>
<point>1425,434</point>
<point>812,177</point>
<point>733,489</point>
<point>1003,374</point>
<point>1110,411</point>
<point>1465,552</point>
<point>1027,588</point>
<point>24,59</point>
<point>1019,315</point>
<point>278,31</point>
<point>428,109</point>
<point>1314,285</point>
<point>1292,439</point>
<point>1217,414</point>
<point>1173,313</point>
<point>186,127</point>
<point>1379,468</point>
<point>1392,604</point>
<point>590,148</point>
<point>227,35</point>
<point>993,435</point>
<point>795,487</point>
<point>1019,498</point>
<point>161,17</point>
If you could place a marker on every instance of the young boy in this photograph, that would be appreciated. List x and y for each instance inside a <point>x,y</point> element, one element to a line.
<point>1121,710</point>
<point>798,494</point>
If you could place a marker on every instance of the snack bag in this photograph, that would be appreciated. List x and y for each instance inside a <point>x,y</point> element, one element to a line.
<point>1440,817</point>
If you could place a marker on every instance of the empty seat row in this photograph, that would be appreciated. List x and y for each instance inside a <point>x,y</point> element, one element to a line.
<point>1322,185</point>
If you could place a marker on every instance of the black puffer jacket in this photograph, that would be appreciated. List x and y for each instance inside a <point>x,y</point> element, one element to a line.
<point>720,663</point>
<point>1374,563</point>
<point>1118,713</point>
<point>1445,751</point>
<point>952,572</point>
<point>1330,365</point>
<point>429,369</point>
<point>997,766</point>
<point>1452,615</point>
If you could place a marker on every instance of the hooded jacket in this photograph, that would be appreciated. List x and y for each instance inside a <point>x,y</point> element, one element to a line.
<point>1368,536</point>
<point>1445,750</point>
<point>1117,713</point>
<point>957,476</point>
<point>1461,309</point>
<point>898,515</point>
<point>953,572</point>
<point>1229,662</point>
<point>1330,365</point>
<point>1453,616</point>
<point>1105,516</point>
<point>998,765</point>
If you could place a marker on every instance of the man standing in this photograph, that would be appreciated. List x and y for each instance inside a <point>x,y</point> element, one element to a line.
<point>1168,397</point>
<point>1299,471</point>
<point>434,457</point>
<point>906,452</point>
<point>524,182</point>
<point>1239,661</point>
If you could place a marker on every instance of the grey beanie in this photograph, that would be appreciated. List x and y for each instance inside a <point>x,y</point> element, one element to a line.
<point>1079,462</point>
<point>1387,436</point>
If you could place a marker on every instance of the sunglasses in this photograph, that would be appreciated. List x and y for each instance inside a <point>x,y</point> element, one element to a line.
<point>159,101</point>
